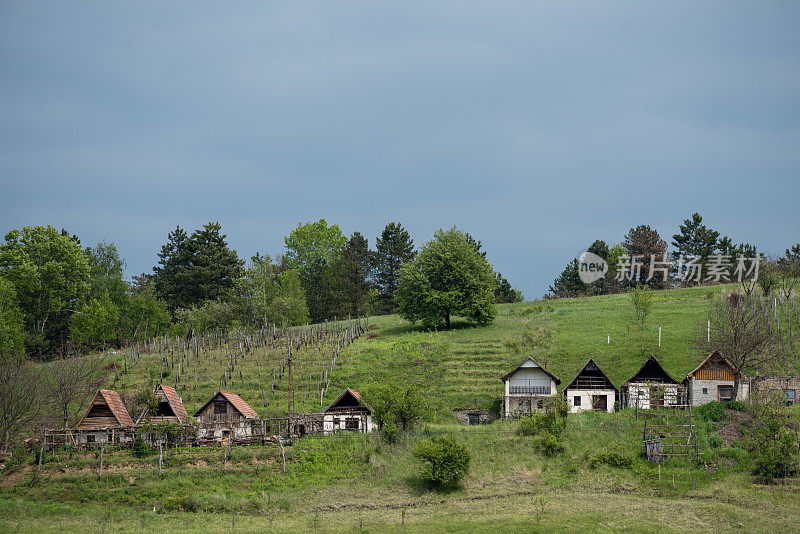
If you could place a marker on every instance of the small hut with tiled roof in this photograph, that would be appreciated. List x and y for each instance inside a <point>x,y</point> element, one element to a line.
<point>170,408</point>
<point>226,417</point>
<point>105,421</point>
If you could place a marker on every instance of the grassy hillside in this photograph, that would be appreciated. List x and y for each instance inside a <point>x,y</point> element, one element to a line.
<point>455,369</point>
<point>346,483</point>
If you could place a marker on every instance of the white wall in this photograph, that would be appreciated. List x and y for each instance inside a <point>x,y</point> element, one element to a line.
<point>586,399</point>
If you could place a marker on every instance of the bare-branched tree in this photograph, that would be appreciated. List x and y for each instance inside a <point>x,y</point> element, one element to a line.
<point>71,382</point>
<point>743,330</point>
<point>20,397</point>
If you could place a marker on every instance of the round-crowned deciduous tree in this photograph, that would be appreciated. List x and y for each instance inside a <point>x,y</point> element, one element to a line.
<point>448,278</point>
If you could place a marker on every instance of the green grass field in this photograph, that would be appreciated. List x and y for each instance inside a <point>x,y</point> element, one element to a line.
<point>359,483</point>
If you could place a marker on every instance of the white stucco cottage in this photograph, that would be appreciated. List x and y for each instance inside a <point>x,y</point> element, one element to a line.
<point>526,388</point>
<point>591,389</point>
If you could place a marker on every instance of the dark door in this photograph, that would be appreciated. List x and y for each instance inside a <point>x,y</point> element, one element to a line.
<point>600,403</point>
<point>474,418</point>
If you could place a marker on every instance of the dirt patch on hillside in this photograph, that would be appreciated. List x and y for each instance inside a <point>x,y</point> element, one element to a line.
<point>730,429</point>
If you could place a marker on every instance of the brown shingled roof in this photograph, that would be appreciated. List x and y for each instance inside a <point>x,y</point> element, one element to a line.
<point>355,395</point>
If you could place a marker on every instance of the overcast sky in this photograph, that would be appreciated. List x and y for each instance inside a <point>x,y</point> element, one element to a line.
<point>536,126</point>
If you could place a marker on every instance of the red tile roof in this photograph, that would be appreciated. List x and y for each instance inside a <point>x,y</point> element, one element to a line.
<point>175,403</point>
<point>117,407</point>
<point>239,404</point>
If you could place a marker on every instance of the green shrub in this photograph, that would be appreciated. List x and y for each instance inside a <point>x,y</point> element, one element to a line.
<point>713,411</point>
<point>446,461</point>
<point>777,459</point>
<point>736,406</point>
<point>389,432</point>
<point>552,419</point>
<point>612,459</point>
<point>714,441</point>
<point>548,444</point>
<point>140,448</point>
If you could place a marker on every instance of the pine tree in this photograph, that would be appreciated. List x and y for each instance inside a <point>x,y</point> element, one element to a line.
<point>695,240</point>
<point>645,242</point>
<point>352,271</point>
<point>393,248</point>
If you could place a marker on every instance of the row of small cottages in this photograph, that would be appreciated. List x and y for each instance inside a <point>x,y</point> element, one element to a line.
<point>226,416</point>
<point>527,387</point>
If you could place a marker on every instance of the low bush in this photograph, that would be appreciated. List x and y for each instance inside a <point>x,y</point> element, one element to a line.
<point>714,441</point>
<point>140,448</point>
<point>777,459</point>
<point>548,444</point>
<point>713,411</point>
<point>736,406</point>
<point>446,461</point>
<point>389,432</point>
<point>612,459</point>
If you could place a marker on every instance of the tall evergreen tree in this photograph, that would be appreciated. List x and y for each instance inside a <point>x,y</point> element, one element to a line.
<point>645,242</point>
<point>393,248</point>
<point>695,239</point>
<point>352,272</point>
<point>170,275</point>
<point>215,267</point>
<point>196,268</point>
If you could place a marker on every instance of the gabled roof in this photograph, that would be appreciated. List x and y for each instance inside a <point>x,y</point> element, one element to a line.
<point>241,406</point>
<point>651,366</point>
<point>114,403</point>
<point>174,402</point>
<point>716,356</point>
<point>353,393</point>
<point>591,365</point>
<point>536,365</point>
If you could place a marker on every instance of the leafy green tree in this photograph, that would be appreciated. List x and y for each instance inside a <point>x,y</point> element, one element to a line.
<point>312,248</point>
<point>351,275</point>
<point>50,275</point>
<point>270,295</point>
<point>106,271</point>
<point>143,315</point>
<point>311,242</point>
<point>449,277</point>
<point>12,338</point>
<point>95,324</point>
<point>393,248</point>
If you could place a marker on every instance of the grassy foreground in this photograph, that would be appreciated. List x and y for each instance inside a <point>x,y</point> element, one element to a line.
<point>358,483</point>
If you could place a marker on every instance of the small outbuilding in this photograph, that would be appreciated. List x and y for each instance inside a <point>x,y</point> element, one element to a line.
<point>105,421</point>
<point>785,388</point>
<point>170,408</point>
<point>348,412</point>
<point>527,387</point>
<point>226,417</point>
<point>653,387</point>
<point>591,389</point>
<point>713,380</point>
